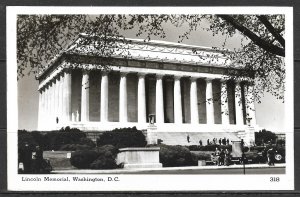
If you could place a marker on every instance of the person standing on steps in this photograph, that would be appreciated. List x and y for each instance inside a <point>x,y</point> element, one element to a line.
<point>200,142</point>
<point>188,138</point>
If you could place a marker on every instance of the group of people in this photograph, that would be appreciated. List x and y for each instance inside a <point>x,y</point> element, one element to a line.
<point>222,157</point>
<point>215,141</point>
<point>270,154</point>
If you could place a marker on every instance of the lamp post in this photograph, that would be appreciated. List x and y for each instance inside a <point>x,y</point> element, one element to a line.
<point>243,156</point>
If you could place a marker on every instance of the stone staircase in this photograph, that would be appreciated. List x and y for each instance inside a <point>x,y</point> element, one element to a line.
<point>180,138</point>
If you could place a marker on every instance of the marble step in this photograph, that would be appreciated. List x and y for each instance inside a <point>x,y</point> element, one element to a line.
<point>180,138</point>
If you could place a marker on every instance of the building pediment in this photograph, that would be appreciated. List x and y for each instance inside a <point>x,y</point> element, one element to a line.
<point>152,54</point>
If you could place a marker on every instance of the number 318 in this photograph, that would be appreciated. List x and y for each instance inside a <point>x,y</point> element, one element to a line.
<point>274,179</point>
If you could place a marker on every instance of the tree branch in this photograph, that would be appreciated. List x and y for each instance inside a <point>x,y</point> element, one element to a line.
<point>257,40</point>
<point>272,30</point>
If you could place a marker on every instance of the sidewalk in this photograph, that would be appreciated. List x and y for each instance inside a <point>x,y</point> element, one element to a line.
<point>120,171</point>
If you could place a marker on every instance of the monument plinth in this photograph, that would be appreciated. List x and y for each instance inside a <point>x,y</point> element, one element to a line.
<point>139,157</point>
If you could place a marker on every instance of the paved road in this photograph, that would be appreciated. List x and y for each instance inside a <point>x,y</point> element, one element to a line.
<point>217,171</point>
<point>255,170</point>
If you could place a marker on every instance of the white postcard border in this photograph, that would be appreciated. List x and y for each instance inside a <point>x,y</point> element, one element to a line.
<point>146,182</point>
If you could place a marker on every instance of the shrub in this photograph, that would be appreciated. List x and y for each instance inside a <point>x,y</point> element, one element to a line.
<point>194,147</point>
<point>83,144</point>
<point>83,159</point>
<point>87,142</point>
<point>99,158</point>
<point>40,139</point>
<point>211,147</point>
<point>26,137</point>
<point>171,156</point>
<point>281,142</point>
<point>264,136</point>
<point>200,156</point>
<point>124,137</point>
<point>74,147</point>
<point>56,139</point>
<point>106,158</point>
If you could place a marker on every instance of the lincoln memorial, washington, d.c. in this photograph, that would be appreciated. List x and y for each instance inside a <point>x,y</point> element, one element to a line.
<point>165,88</point>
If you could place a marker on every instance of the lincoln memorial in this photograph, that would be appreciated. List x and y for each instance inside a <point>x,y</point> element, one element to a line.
<point>182,88</point>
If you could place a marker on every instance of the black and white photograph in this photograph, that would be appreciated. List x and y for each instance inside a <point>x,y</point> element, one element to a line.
<point>150,98</point>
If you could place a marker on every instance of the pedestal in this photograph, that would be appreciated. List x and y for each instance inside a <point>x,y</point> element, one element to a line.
<point>151,134</point>
<point>139,157</point>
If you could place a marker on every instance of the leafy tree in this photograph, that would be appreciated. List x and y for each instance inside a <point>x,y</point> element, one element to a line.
<point>40,38</point>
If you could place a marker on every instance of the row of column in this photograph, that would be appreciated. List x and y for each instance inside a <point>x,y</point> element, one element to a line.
<point>55,100</point>
<point>178,118</point>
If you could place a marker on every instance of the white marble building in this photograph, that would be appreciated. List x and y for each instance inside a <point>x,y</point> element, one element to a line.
<point>166,79</point>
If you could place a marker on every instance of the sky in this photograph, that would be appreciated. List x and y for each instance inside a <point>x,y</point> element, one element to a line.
<point>269,113</point>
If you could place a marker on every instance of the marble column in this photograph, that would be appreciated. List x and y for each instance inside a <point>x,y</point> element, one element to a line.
<point>53,101</point>
<point>238,104</point>
<point>44,114</point>
<point>104,97</point>
<point>60,98</point>
<point>67,98</point>
<point>177,101</point>
<point>210,114</point>
<point>51,120</point>
<point>141,98</point>
<point>123,98</point>
<point>250,100</point>
<point>46,103</point>
<point>224,103</point>
<point>85,96</point>
<point>159,100</point>
<point>40,113</point>
<point>194,101</point>
<point>56,102</point>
